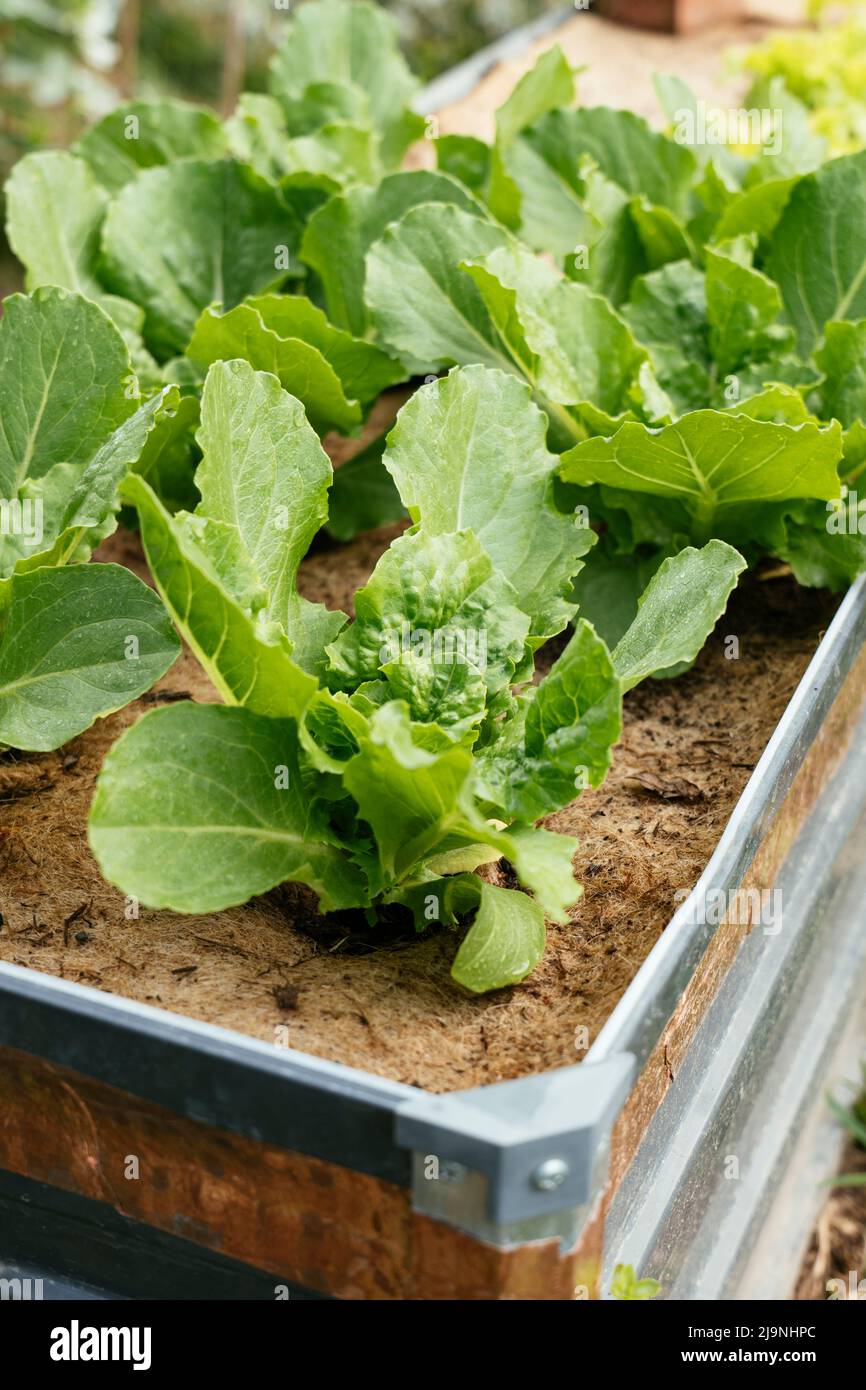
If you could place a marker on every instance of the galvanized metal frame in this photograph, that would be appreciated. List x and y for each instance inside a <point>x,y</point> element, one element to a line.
<point>696,1208</point>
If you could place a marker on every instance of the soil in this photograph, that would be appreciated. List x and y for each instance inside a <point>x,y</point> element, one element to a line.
<point>385,1002</point>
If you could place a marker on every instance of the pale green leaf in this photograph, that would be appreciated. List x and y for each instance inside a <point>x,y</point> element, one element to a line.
<point>248,662</point>
<point>469,451</point>
<point>335,157</point>
<point>677,611</point>
<point>568,342</point>
<point>625,148</point>
<point>192,787</point>
<point>743,307</point>
<point>504,943</point>
<point>143,134</point>
<point>335,375</point>
<point>77,644</point>
<point>543,861</point>
<point>339,235</point>
<point>818,251</point>
<point>560,740</point>
<point>265,473</point>
<point>190,234</point>
<point>547,85</point>
<point>354,44</point>
<point>79,503</point>
<point>465,158</point>
<point>411,797</point>
<point>711,461</point>
<point>299,366</point>
<point>842,359</point>
<point>168,460</point>
<point>54,212</point>
<point>422,303</point>
<point>64,369</point>
<point>667,312</point>
<point>438,596</point>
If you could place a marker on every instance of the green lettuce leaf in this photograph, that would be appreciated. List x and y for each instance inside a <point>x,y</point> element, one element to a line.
<point>712,462</point>
<point>333,158</point>
<point>471,294</point>
<point>606,248</point>
<point>560,739</point>
<point>411,797</point>
<point>419,296</point>
<point>143,134</point>
<point>568,342</point>
<point>265,474</point>
<point>667,312</point>
<point>210,600</point>
<point>437,596</point>
<point>677,611</point>
<point>842,359</point>
<point>547,85</point>
<point>623,145</point>
<point>467,159</point>
<point>504,943</point>
<point>336,376</point>
<point>825,544</point>
<point>756,211</point>
<point>550,162</point>
<point>609,586</point>
<point>180,237</point>
<point>339,235</point>
<point>77,644</point>
<point>470,451</point>
<point>324,144</point>
<point>193,786</point>
<point>79,505</point>
<point>355,45</point>
<point>743,307</point>
<point>68,400</point>
<point>169,457</point>
<point>64,373</point>
<point>54,214</point>
<point>818,250</point>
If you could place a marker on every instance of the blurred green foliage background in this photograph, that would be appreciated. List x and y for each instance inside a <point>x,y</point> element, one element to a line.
<point>64,63</point>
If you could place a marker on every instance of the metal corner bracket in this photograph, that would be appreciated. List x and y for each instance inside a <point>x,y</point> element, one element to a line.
<point>517,1160</point>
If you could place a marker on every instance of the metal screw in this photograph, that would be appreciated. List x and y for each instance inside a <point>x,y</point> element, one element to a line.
<point>549,1175</point>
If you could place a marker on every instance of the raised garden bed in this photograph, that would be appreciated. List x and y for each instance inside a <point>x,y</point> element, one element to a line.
<point>286,1080</point>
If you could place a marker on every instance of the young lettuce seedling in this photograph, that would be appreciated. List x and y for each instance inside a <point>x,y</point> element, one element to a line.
<point>382,760</point>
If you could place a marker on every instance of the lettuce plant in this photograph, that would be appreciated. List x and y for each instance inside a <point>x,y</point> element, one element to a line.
<point>383,759</point>
<point>823,67</point>
<point>76,640</point>
<point>656,356</point>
